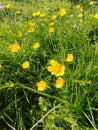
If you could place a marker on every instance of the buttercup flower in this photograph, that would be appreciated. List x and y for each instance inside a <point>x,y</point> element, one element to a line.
<point>59,82</point>
<point>18,12</point>
<point>62,12</point>
<point>20,34</point>
<point>37,13</point>
<point>8,6</point>
<point>95,16</point>
<point>30,30</point>
<point>80,15</point>
<point>54,17</point>
<point>67,4</point>
<point>51,24</point>
<point>0,66</point>
<point>41,85</point>
<point>32,24</point>
<point>70,58</point>
<point>14,47</point>
<point>25,65</point>
<point>51,29</point>
<point>56,68</point>
<point>78,6</point>
<point>91,3</point>
<point>36,45</point>
<point>42,15</point>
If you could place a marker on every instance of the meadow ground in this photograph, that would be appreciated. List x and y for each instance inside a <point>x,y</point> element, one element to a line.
<point>48,65</point>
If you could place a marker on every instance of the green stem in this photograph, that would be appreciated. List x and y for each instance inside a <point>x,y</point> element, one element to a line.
<point>45,94</point>
<point>4,87</point>
<point>90,121</point>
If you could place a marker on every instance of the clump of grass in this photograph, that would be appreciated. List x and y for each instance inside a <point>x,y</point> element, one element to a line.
<point>48,65</point>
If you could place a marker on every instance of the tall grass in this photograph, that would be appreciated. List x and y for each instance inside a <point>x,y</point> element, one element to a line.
<point>59,28</point>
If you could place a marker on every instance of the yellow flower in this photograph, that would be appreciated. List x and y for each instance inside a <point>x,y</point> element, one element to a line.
<point>95,16</point>
<point>51,29</point>
<point>67,4</point>
<point>78,6</point>
<point>14,47</point>
<point>70,57</point>
<point>32,24</point>
<point>91,3</point>
<point>62,12</point>
<point>20,34</point>
<point>41,85</point>
<point>54,17</point>
<point>25,65</point>
<point>59,82</point>
<point>42,15</point>
<point>56,68</point>
<point>18,12</point>
<point>51,24</point>
<point>30,30</point>
<point>80,15</point>
<point>37,13</point>
<point>36,45</point>
<point>8,6</point>
<point>0,66</point>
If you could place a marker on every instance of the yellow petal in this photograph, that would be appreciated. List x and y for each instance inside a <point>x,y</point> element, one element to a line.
<point>59,82</point>
<point>41,85</point>
<point>70,58</point>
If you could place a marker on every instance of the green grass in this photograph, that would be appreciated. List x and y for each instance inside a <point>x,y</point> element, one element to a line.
<point>75,105</point>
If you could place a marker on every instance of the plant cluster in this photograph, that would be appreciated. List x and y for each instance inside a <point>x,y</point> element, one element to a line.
<point>48,65</point>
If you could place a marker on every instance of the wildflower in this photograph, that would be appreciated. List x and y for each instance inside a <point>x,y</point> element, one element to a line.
<point>25,65</point>
<point>67,4</point>
<point>18,12</point>
<point>59,82</point>
<point>91,3</point>
<point>95,16</point>
<point>14,47</point>
<point>80,15</point>
<point>8,6</point>
<point>37,13</point>
<point>41,85</point>
<point>54,17</point>
<point>51,29</point>
<point>30,30</point>
<point>0,66</point>
<point>56,68</point>
<point>32,24</point>
<point>20,34</point>
<point>51,24</point>
<point>70,57</point>
<point>78,6</point>
<point>62,12</point>
<point>36,45</point>
<point>42,15</point>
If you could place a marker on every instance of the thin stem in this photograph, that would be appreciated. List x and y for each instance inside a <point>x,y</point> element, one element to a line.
<point>9,124</point>
<point>43,117</point>
<point>90,121</point>
<point>45,94</point>
<point>4,87</point>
